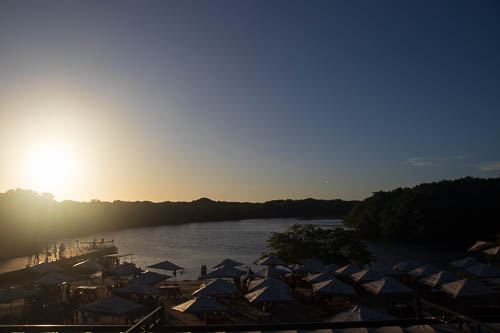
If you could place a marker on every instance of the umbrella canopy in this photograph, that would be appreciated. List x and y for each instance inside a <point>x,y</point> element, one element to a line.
<point>216,288</point>
<point>333,287</point>
<point>270,272</point>
<point>367,275</point>
<point>466,288</point>
<point>151,278</point>
<point>262,283</point>
<point>438,279</point>
<point>271,261</point>
<point>360,313</point>
<point>166,266</point>
<point>113,305</point>
<point>53,278</point>
<point>331,268</point>
<point>483,271</point>
<point>89,266</point>
<point>228,263</point>
<point>138,289</point>
<point>406,266</point>
<point>480,245</point>
<point>387,286</point>
<point>224,272</point>
<point>46,267</point>
<point>11,294</point>
<point>347,270</point>
<point>321,277</point>
<point>200,304</point>
<point>312,265</point>
<point>424,271</point>
<point>125,269</point>
<point>494,251</point>
<point>462,263</point>
<point>269,294</point>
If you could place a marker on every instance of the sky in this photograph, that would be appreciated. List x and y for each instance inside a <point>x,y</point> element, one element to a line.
<point>246,100</point>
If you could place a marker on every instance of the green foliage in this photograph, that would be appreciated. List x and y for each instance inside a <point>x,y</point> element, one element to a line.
<point>335,245</point>
<point>459,211</point>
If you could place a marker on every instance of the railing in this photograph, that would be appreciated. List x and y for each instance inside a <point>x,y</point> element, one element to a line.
<point>149,322</point>
<point>460,319</point>
<point>216,328</point>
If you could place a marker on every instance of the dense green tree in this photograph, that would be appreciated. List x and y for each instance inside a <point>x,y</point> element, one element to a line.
<point>330,245</point>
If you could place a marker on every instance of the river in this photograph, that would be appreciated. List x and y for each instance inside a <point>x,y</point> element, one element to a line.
<point>193,244</point>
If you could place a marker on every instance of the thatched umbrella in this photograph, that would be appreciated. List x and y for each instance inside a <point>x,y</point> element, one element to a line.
<point>53,278</point>
<point>46,267</point>
<point>424,271</point>
<point>218,287</point>
<point>200,305</point>
<point>228,263</point>
<point>331,268</point>
<point>333,287</point>
<point>367,275</point>
<point>360,313</point>
<point>494,251</point>
<point>88,266</point>
<point>166,266</point>
<point>125,269</point>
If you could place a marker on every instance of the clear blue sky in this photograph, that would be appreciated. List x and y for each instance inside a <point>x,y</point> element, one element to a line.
<point>250,100</point>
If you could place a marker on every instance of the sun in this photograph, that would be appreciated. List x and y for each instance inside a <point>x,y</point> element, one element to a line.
<point>51,169</point>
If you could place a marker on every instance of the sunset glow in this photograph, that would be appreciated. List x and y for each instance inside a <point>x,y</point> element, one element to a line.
<point>52,169</point>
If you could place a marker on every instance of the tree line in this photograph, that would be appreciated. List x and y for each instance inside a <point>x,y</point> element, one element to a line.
<point>29,220</point>
<point>456,212</point>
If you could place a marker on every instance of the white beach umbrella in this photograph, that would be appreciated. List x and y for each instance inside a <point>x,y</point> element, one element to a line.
<point>347,270</point>
<point>321,277</point>
<point>480,245</point>
<point>216,287</point>
<point>200,305</point>
<point>333,287</point>
<point>114,305</point>
<point>11,294</point>
<point>228,263</point>
<point>406,266</point>
<point>151,278</point>
<point>462,263</point>
<point>367,275</point>
<point>494,251</point>
<point>360,313</point>
<point>271,261</point>
<point>438,279</point>
<point>270,272</point>
<point>224,272</point>
<point>466,288</point>
<point>269,294</point>
<point>424,271</point>
<point>54,278</point>
<point>312,265</point>
<point>387,286</point>
<point>483,271</point>
<point>89,266</point>
<point>46,267</point>
<point>262,283</point>
<point>138,289</point>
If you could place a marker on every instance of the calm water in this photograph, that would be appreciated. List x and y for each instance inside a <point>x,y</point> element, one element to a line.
<point>193,244</point>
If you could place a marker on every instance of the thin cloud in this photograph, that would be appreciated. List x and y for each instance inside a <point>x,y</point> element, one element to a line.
<point>418,162</point>
<point>490,166</point>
